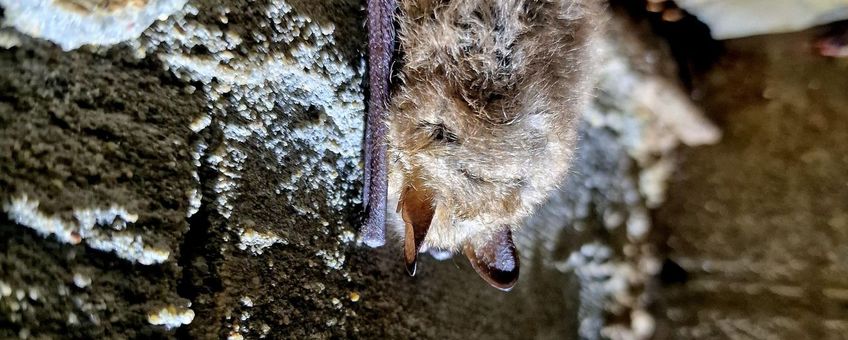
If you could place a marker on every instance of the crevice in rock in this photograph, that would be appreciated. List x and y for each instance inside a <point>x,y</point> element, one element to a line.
<point>672,273</point>
<point>198,250</point>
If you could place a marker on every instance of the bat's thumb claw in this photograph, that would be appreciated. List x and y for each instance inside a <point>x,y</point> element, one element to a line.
<point>373,234</point>
<point>372,241</point>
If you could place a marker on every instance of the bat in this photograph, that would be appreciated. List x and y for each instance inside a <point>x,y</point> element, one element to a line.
<point>481,125</point>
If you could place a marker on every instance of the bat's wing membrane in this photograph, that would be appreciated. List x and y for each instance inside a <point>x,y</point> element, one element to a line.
<point>380,49</point>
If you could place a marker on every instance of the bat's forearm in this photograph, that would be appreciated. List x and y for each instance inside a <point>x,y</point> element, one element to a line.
<point>380,49</point>
<point>381,41</point>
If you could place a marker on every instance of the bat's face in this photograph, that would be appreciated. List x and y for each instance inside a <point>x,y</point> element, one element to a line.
<point>480,174</point>
<point>484,123</point>
<point>462,179</point>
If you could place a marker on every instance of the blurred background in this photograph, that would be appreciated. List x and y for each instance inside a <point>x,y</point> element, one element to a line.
<point>754,227</point>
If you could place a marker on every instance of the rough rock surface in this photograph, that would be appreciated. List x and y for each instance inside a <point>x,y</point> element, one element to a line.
<point>202,180</point>
<point>95,179</point>
<point>756,227</point>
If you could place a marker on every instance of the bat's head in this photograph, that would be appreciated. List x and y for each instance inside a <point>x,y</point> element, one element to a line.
<point>483,125</point>
<point>461,177</point>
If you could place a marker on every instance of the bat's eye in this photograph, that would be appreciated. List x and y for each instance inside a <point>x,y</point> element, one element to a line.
<point>439,132</point>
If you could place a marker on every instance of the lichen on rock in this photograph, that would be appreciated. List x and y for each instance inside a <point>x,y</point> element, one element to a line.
<point>109,237</point>
<point>171,317</point>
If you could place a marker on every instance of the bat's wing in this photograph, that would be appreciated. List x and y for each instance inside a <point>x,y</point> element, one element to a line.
<point>380,49</point>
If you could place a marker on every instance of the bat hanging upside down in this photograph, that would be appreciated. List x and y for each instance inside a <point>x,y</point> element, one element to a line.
<point>480,126</point>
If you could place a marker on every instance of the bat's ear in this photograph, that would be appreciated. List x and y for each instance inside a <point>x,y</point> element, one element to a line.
<point>496,259</point>
<point>417,209</point>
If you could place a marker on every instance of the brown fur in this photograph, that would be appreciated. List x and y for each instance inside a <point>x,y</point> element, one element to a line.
<point>485,117</point>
